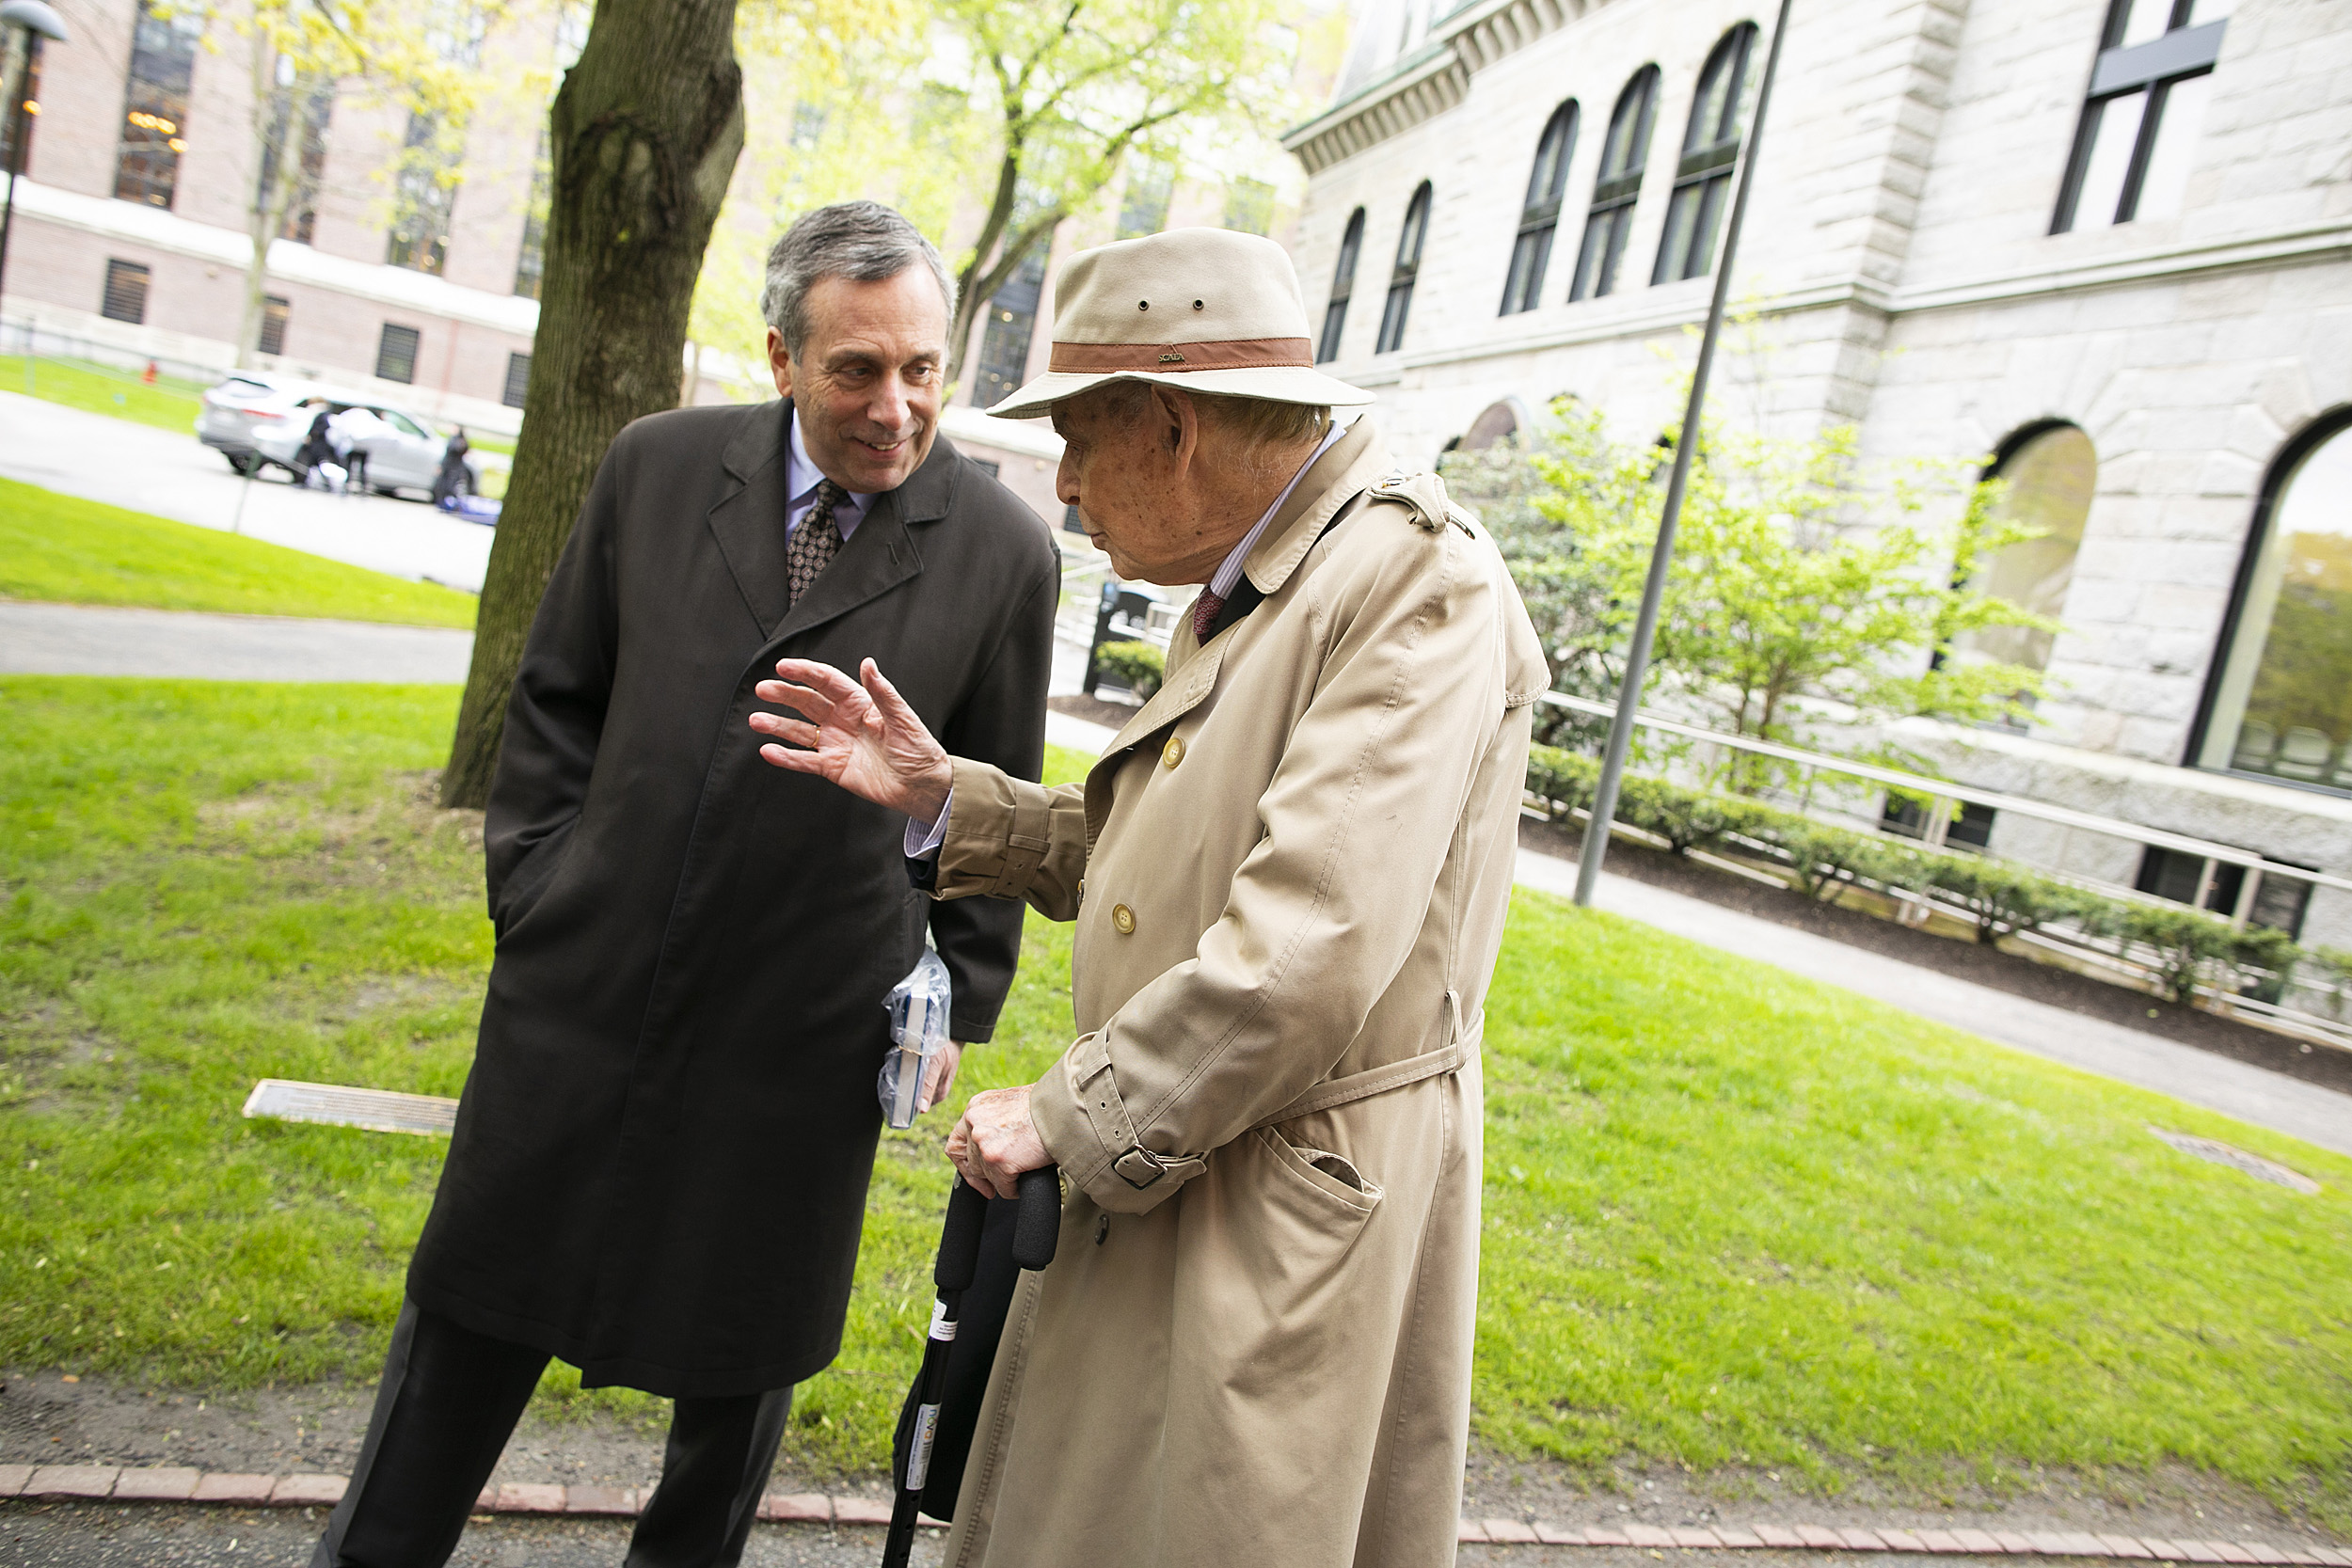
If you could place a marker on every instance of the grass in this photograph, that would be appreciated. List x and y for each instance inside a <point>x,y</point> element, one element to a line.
<point>170,404</point>
<point>64,548</point>
<point>1733,1218</point>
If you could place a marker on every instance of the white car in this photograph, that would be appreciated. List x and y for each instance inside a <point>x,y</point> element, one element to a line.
<point>259,420</point>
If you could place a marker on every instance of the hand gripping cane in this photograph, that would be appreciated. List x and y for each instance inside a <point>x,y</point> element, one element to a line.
<point>1036,1225</point>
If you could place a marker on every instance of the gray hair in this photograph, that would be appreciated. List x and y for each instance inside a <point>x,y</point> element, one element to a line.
<point>864,241</point>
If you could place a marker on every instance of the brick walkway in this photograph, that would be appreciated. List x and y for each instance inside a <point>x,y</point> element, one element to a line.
<point>106,1483</point>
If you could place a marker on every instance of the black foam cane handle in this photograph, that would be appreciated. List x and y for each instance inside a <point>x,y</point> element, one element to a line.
<point>960,1237</point>
<point>1037,1223</point>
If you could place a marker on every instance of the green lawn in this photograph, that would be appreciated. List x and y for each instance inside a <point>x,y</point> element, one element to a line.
<point>75,551</point>
<point>170,404</point>
<point>1732,1217</point>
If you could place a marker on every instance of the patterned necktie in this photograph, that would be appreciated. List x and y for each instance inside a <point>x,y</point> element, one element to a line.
<point>1205,610</point>
<point>816,542</point>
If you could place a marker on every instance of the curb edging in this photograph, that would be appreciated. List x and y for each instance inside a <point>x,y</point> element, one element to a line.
<point>182,1484</point>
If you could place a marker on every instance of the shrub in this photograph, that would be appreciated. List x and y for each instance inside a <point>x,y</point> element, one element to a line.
<point>1564,781</point>
<point>2193,945</point>
<point>1687,819</point>
<point>1138,666</point>
<point>1825,860</point>
<point>2007,899</point>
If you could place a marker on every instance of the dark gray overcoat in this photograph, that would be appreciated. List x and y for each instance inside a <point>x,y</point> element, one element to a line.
<point>661,1162</point>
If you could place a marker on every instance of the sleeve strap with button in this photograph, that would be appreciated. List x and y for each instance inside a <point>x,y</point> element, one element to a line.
<point>1008,838</point>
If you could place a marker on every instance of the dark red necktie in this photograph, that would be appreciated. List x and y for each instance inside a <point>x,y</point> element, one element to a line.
<point>1205,610</point>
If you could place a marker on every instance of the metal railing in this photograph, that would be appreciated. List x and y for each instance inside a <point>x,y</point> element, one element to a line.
<point>1946,792</point>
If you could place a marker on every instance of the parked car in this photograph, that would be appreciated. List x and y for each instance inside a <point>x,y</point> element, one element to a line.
<point>258,421</point>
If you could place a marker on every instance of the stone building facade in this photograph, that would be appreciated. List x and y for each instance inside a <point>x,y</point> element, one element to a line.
<point>2115,232</point>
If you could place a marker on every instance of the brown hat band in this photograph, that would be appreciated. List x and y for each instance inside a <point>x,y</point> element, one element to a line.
<point>1232,354</point>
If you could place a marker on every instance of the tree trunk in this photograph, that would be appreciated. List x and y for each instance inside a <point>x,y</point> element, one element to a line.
<point>644,137</point>
<point>266,218</point>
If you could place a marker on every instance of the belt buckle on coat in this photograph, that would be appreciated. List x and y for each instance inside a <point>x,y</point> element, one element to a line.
<point>1136,1160</point>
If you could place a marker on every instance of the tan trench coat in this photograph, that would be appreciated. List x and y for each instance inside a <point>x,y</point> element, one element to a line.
<point>1290,874</point>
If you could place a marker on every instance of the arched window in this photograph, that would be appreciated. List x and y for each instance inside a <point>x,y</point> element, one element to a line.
<point>1540,218</point>
<point>1711,147</point>
<point>2048,474</point>
<point>2281,700</point>
<point>1409,242</point>
<point>1615,187</point>
<point>1343,284</point>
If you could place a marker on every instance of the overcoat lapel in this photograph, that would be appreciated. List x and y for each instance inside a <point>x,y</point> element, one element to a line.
<point>748,523</point>
<point>747,517</point>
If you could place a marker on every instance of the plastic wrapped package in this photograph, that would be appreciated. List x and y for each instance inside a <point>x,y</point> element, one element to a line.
<point>918,1027</point>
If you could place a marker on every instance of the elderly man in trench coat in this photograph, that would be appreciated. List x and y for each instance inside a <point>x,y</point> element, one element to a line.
<point>1289,874</point>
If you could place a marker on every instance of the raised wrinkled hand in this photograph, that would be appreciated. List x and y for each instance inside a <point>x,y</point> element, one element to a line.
<point>861,736</point>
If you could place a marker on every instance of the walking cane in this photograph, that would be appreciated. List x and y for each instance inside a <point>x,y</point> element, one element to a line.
<point>1036,1225</point>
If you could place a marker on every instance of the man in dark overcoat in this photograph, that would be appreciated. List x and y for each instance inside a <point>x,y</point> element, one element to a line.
<point>661,1162</point>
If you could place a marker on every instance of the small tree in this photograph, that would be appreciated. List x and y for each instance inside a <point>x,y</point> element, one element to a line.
<point>1801,606</point>
<point>1076,85</point>
<point>303,52</point>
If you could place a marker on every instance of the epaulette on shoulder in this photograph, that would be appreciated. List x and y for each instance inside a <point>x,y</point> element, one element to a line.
<point>1424,494</point>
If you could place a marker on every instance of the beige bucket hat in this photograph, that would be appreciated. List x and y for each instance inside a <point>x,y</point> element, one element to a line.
<point>1206,309</point>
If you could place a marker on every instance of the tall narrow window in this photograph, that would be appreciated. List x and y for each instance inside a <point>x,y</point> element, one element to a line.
<point>1342,285</point>
<point>155,103</point>
<point>304,143</point>
<point>396,354</point>
<point>273,338</point>
<point>1539,218</point>
<point>125,299</point>
<point>2281,705</point>
<point>1616,186</point>
<point>424,195</point>
<point>1143,205</point>
<point>1408,244</point>
<point>1711,146</point>
<point>2048,476</point>
<point>17,118</point>
<point>1011,322</point>
<point>2143,113</point>
<point>518,380</point>
<point>531,262</point>
<point>1250,206</point>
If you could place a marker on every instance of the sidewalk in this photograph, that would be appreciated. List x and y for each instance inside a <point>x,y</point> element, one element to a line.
<point>88,640</point>
<point>173,474</point>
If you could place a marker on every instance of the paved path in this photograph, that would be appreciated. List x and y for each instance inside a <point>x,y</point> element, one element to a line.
<point>173,474</point>
<point>87,639</point>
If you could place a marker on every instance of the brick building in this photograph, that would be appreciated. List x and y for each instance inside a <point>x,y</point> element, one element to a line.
<point>142,170</point>
<point>2107,241</point>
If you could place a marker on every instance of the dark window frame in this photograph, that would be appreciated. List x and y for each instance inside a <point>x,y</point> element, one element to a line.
<point>119,278</point>
<point>517,387</point>
<point>2318,432</point>
<point>1342,289</point>
<point>1539,214</point>
<point>271,340</point>
<point>1010,331</point>
<point>1412,238</point>
<point>2179,54</point>
<point>384,358</point>
<point>1711,152</point>
<point>158,82</point>
<point>1616,187</point>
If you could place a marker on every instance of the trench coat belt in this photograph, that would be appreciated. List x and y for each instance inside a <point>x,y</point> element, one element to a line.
<point>1141,1168</point>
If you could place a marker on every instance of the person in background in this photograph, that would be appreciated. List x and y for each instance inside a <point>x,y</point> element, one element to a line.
<point>317,453</point>
<point>351,431</point>
<point>455,479</point>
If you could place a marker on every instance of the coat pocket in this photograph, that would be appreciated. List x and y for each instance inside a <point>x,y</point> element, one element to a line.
<point>1334,1176</point>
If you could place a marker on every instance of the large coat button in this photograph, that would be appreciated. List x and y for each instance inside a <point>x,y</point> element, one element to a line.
<point>1174,751</point>
<point>1123,919</point>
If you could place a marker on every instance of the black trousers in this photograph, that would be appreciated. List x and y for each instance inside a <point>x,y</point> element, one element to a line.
<point>447,1403</point>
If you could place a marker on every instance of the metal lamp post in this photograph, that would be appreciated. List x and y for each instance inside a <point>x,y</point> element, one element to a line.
<point>1604,809</point>
<point>38,20</point>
